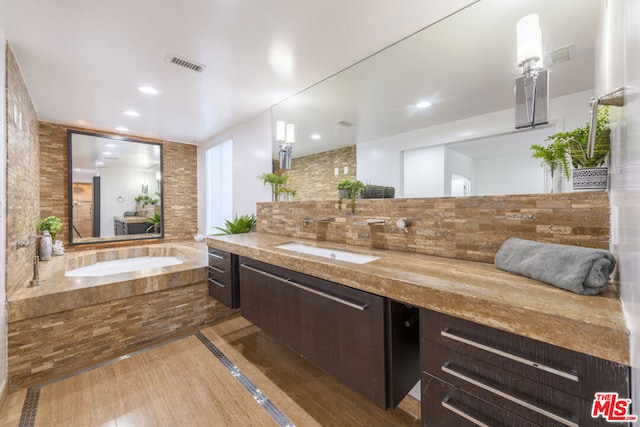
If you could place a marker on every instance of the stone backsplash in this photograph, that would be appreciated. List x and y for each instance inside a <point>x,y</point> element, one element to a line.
<point>470,228</point>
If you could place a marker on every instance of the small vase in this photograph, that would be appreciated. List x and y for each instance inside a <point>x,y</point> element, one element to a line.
<point>553,178</point>
<point>590,179</point>
<point>46,247</point>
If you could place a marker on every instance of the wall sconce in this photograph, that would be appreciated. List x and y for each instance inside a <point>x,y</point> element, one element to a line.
<point>159,181</point>
<point>285,135</point>
<point>532,88</point>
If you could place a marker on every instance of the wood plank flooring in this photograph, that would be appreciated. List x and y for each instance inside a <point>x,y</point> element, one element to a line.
<point>182,383</point>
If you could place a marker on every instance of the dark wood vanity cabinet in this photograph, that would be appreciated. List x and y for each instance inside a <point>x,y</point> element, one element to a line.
<point>223,277</point>
<point>477,375</point>
<point>337,328</point>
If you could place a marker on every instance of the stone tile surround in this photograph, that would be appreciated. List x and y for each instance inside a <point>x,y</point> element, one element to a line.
<point>67,324</point>
<point>469,228</point>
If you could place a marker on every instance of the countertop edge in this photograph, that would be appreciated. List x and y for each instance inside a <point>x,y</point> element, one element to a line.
<point>606,340</point>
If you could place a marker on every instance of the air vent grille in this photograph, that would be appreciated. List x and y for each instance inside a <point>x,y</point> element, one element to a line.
<point>186,63</point>
<point>345,123</point>
<point>560,55</point>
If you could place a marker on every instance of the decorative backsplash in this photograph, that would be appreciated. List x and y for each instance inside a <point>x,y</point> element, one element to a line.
<point>470,228</point>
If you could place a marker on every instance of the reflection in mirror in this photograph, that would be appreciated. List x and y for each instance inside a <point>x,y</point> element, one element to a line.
<point>115,188</point>
<point>461,71</point>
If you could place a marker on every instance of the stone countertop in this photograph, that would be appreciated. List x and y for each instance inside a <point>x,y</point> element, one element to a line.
<point>131,219</point>
<point>474,291</point>
<point>58,293</point>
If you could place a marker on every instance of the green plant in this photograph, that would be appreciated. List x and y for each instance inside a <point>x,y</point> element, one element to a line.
<point>278,184</point>
<point>553,155</point>
<point>155,221</point>
<point>354,188</point>
<point>575,143</point>
<point>242,224</point>
<point>52,224</point>
<point>145,199</point>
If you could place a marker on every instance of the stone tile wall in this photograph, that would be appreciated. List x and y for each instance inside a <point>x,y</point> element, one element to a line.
<point>23,191</point>
<point>53,345</point>
<point>313,177</point>
<point>471,228</point>
<point>179,182</point>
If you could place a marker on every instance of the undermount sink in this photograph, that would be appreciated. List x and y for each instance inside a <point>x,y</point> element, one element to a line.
<point>328,253</point>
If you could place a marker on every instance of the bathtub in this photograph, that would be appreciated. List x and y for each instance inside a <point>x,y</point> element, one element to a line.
<point>127,265</point>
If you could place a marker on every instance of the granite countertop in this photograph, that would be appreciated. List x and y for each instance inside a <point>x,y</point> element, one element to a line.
<point>474,291</point>
<point>131,219</point>
<point>59,293</point>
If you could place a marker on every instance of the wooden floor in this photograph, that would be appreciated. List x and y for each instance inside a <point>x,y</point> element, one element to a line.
<point>188,382</point>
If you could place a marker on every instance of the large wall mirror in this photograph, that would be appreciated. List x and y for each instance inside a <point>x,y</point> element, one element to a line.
<point>115,188</point>
<point>465,142</point>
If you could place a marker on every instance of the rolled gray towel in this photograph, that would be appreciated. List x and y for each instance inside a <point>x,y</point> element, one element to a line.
<point>576,269</point>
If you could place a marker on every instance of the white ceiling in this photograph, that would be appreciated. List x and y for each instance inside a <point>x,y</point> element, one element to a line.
<point>82,60</point>
<point>464,65</point>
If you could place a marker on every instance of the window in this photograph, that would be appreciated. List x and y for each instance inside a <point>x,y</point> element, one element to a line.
<point>219,194</point>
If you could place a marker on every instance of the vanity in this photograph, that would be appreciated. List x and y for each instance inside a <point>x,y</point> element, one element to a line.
<point>489,347</point>
<point>123,225</point>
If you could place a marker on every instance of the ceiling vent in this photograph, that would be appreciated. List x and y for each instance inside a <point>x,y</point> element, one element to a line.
<point>345,123</point>
<point>186,63</point>
<point>560,55</point>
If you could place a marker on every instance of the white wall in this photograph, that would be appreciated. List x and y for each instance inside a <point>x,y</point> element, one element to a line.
<point>620,56</point>
<point>125,183</point>
<point>251,157</point>
<point>380,161</point>
<point>3,211</point>
<point>426,168</point>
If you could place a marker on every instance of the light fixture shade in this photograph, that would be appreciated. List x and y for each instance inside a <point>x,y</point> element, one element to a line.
<point>280,131</point>
<point>529,38</point>
<point>290,134</point>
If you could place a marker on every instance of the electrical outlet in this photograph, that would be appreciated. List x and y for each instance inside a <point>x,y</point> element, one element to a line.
<point>335,172</point>
<point>346,170</point>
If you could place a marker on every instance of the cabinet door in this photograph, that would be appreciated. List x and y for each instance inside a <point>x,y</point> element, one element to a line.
<point>270,304</point>
<point>343,334</point>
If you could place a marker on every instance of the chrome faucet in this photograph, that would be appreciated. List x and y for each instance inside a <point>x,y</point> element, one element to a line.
<point>36,272</point>
<point>370,222</point>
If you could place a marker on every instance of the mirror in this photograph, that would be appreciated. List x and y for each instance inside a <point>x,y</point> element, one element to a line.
<point>465,67</point>
<point>115,188</point>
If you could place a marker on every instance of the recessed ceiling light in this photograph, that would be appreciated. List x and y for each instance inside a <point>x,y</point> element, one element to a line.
<point>106,153</point>
<point>99,163</point>
<point>148,90</point>
<point>110,145</point>
<point>423,104</point>
<point>315,136</point>
<point>131,113</point>
<point>122,129</point>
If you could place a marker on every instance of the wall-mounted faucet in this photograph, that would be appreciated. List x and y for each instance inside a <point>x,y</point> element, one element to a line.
<point>615,98</point>
<point>370,222</point>
<point>36,272</point>
<point>306,221</point>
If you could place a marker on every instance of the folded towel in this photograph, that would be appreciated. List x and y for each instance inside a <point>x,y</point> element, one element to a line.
<point>576,269</point>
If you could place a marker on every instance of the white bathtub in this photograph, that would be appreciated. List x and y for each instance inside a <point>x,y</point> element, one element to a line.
<point>127,265</point>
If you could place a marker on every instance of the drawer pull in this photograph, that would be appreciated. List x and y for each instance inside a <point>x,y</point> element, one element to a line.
<point>217,283</point>
<point>212,255</point>
<point>463,414</point>
<point>360,307</point>
<point>513,399</point>
<point>216,269</point>
<point>522,360</point>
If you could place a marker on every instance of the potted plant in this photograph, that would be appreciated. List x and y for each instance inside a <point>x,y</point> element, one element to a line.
<point>145,204</point>
<point>371,191</point>
<point>155,221</point>
<point>242,224</point>
<point>50,227</point>
<point>554,157</point>
<point>589,173</point>
<point>349,189</point>
<point>52,224</point>
<point>277,183</point>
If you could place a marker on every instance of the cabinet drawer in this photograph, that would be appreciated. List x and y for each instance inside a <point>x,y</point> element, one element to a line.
<point>526,398</point>
<point>445,405</point>
<point>220,291</point>
<point>575,373</point>
<point>219,259</point>
<point>221,276</point>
